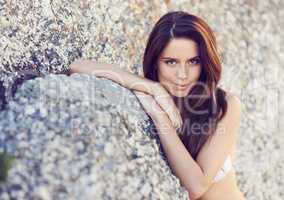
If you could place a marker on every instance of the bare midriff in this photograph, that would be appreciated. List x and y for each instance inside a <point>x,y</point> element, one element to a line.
<point>225,189</point>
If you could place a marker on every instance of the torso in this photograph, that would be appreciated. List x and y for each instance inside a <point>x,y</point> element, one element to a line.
<point>225,189</point>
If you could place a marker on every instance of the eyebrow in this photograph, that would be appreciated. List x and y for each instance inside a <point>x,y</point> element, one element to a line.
<point>177,59</point>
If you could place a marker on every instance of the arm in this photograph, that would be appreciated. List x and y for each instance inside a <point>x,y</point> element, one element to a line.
<point>196,176</point>
<point>114,73</point>
<point>132,82</point>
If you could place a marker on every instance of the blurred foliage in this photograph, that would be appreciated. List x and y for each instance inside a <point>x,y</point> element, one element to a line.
<point>6,161</point>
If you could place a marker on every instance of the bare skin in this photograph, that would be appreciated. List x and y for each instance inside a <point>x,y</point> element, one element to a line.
<point>184,167</point>
<point>178,65</point>
<point>132,82</point>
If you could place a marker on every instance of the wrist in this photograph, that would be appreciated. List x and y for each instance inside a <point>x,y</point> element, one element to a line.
<point>162,122</point>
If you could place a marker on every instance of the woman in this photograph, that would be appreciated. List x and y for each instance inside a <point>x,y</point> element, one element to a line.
<point>181,69</point>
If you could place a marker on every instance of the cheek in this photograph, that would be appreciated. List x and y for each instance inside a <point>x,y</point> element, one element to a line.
<point>165,72</point>
<point>196,72</point>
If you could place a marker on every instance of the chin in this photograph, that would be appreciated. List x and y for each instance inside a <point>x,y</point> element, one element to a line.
<point>174,91</point>
<point>177,93</point>
<point>180,94</point>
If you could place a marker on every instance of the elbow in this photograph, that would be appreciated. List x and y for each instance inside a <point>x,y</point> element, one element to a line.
<point>196,194</point>
<point>74,67</point>
<point>81,66</point>
<point>199,191</point>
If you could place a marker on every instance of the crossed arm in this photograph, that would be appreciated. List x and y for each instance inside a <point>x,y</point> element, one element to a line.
<point>113,72</point>
<point>196,176</point>
<point>132,82</point>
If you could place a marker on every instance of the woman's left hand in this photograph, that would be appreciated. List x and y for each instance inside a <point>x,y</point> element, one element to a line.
<point>157,114</point>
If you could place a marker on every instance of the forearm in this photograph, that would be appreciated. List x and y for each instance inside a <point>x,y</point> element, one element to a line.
<point>180,160</point>
<point>114,73</point>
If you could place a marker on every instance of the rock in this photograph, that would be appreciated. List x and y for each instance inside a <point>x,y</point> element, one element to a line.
<point>77,155</point>
<point>45,36</point>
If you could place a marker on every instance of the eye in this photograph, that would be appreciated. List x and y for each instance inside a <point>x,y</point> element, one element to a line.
<point>170,62</point>
<point>195,61</point>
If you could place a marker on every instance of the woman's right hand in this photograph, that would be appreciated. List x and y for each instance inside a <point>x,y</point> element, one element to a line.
<point>164,99</point>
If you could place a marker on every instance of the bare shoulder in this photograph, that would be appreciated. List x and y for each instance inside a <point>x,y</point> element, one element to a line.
<point>234,108</point>
<point>233,101</point>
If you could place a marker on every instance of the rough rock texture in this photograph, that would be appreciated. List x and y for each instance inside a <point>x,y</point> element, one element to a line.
<point>251,42</point>
<point>73,143</point>
<point>76,143</point>
<point>47,35</point>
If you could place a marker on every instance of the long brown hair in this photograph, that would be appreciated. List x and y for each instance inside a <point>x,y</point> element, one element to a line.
<point>180,24</point>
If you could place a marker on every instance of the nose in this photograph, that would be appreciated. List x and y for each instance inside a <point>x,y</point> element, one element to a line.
<point>182,72</point>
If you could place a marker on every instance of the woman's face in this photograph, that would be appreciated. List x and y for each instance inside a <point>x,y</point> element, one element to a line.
<point>179,66</point>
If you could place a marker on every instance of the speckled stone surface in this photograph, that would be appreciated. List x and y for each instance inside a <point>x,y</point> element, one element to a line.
<point>73,143</point>
<point>251,42</point>
<point>47,35</point>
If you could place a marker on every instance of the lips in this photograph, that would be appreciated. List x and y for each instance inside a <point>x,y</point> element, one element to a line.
<point>185,85</point>
<point>182,87</point>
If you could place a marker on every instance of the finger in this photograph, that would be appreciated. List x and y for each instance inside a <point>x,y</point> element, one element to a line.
<point>170,108</point>
<point>180,118</point>
<point>177,116</point>
<point>173,114</point>
<point>178,122</point>
<point>174,120</point>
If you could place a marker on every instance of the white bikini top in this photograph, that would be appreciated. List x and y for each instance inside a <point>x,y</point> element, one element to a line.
<point>227,166</point>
